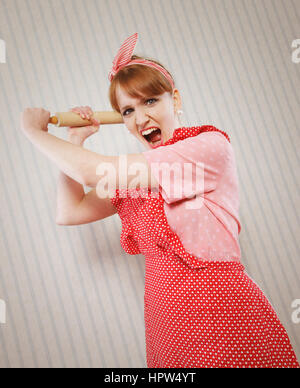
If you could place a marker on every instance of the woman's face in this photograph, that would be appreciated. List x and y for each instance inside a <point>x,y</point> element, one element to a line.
<point>140,114</point>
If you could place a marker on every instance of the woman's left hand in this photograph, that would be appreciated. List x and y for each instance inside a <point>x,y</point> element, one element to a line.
<point>35,119</point>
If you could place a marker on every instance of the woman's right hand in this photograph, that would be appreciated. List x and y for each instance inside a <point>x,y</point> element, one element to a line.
<point>78,135</point>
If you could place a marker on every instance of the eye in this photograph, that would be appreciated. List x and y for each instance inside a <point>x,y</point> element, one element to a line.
<point>149,99</point>
<point>152,99</point>
<point>124,113</point>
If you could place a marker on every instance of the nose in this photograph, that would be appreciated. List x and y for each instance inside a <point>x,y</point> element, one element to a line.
<point>141,118</point>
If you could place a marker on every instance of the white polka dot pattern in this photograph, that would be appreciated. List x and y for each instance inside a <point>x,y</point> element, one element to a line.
<point>198,313</point>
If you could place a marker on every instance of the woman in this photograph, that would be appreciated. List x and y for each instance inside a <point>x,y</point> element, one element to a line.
<point>201,308</point>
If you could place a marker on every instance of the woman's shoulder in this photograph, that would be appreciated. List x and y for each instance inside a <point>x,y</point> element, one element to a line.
<point>209,140</point>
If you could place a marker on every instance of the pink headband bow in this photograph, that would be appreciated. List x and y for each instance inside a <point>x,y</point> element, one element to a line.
<point>123,58</point>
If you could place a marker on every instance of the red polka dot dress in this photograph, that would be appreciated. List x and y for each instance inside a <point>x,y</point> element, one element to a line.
<point>201,310</point>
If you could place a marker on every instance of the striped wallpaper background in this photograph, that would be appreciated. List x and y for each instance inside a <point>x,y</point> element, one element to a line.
<point>73,297</point>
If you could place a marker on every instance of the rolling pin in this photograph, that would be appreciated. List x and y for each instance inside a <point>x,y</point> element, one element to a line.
<point>72,119</point>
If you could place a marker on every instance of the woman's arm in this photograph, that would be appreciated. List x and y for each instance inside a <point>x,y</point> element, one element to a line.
<point>74,207</point>
<point>69,192</point>
<point>90,209</point>
<point>69,195</point>
<point>71,159</point>
<point>86,167</point>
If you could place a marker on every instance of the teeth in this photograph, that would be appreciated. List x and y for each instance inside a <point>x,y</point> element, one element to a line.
<point>149,131</point>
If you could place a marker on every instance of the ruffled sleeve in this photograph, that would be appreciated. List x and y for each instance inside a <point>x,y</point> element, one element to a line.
<point>123,204</point>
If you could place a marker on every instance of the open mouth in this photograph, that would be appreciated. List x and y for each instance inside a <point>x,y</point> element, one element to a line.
<point>153,136</point>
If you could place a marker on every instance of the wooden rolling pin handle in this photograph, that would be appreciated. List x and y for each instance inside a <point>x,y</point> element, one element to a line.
<point>71,119</point>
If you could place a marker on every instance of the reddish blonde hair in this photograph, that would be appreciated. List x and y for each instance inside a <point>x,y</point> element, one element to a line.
<point>139,81</point>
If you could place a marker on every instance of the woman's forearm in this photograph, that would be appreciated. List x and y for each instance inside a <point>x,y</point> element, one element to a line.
<point>69,193</point>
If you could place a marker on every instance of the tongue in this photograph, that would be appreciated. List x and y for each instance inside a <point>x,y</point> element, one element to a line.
<point>155,136</point>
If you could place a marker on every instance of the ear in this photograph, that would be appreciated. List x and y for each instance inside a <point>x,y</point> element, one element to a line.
<point>177,100</point>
